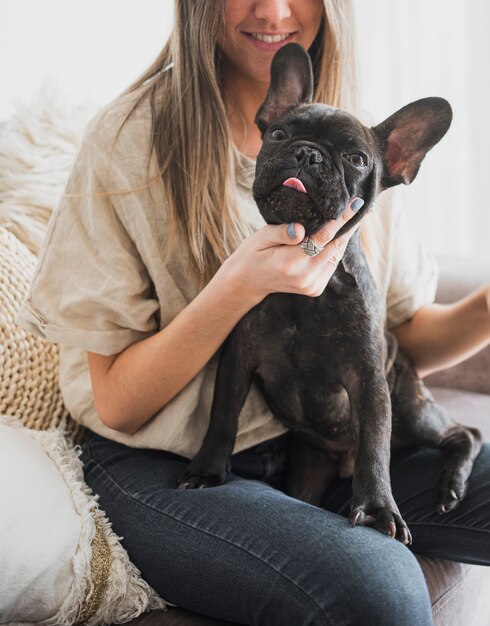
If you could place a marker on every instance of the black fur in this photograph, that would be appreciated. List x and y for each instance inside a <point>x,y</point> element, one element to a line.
<point>324,364</point>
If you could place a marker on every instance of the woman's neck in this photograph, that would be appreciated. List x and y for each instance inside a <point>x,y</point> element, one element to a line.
<point>243,97</point>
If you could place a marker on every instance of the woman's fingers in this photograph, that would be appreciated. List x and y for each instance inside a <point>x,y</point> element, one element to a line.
<point>283,234</point>
<point>264,262</point>
<point>331,228</point>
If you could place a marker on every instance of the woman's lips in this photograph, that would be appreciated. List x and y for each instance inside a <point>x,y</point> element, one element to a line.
<point>269,46</point>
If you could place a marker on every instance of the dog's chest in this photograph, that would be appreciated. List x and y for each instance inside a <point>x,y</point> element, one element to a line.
<point>303,348</point>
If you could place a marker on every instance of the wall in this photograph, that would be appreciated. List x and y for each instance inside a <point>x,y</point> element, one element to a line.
<point>92,49</point>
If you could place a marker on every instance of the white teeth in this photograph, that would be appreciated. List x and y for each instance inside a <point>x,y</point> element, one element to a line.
<point>270,38</point>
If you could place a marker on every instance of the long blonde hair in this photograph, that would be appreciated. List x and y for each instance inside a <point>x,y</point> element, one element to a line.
<point>190,126</point>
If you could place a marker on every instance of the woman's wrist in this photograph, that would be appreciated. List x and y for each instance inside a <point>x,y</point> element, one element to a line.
<point>231,289</point>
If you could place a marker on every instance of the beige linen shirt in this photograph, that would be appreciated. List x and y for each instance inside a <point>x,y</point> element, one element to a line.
<point>100,282</point>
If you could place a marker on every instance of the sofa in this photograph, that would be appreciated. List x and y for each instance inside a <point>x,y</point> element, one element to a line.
<point>460,593</point>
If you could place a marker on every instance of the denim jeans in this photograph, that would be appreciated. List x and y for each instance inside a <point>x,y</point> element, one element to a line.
<point>247,553</point>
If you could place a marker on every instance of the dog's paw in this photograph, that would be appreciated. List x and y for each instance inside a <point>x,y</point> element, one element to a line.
<point>384,517</point>
<point>453,486</point>
<point>197,477</point>
<point>199,481</point>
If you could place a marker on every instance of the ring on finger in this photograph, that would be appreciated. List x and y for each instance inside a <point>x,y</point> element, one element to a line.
<point>309,247</point>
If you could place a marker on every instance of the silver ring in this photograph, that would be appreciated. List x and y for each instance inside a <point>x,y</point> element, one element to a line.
<point>309,247</point>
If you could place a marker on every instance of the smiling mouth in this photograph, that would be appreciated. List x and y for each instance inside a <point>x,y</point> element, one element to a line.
<point>269,39</point>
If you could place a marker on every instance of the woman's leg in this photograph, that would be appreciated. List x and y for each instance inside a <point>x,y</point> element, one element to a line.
<point>461,535</point>
<point>247,553</point>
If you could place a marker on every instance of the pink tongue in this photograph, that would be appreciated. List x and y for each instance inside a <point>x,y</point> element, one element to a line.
<point>294,183</point>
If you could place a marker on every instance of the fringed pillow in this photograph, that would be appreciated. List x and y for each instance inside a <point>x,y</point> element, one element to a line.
<point>61,564</point>
<point>38,145</point>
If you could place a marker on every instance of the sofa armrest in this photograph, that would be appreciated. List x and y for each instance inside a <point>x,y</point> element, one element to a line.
<point>458,277</point>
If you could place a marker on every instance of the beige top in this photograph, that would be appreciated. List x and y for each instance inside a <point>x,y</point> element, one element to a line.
<point>100,283</point>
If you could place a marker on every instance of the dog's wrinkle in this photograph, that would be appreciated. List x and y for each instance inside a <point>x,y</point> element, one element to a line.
<point>305,143</point>
<point>338,164</point>
<point>279,204</point>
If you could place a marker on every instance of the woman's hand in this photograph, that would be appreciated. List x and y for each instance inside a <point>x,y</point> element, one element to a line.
<point>271,260</point>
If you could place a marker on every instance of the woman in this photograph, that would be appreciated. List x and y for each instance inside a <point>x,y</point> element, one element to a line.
<point>155,253</point>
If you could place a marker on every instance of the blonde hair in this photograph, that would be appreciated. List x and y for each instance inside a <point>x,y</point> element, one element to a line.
<point>190,126</point>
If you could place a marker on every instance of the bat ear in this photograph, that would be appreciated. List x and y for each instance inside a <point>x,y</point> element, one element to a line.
<point>291,84</point>
<point>407,135</point>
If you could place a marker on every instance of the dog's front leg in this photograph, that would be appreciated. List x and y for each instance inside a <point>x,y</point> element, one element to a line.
<point>372,502</point>
<point>233,377</point>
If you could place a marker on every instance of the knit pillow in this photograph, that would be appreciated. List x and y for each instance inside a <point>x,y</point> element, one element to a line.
<point>37,148</point>
<point>61,563</point>
<point>28,364</point>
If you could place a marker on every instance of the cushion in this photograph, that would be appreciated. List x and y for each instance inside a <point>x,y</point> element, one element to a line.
<point>460,593</point>
<point>37,148</point>
<point>28,364</point>
<point>61,562</point>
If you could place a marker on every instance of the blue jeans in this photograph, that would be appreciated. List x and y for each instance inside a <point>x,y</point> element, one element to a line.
<point>248,553</point>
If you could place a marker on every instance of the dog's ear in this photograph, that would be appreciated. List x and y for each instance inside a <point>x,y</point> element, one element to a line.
<point>291,84</point>
<point>407,136</point>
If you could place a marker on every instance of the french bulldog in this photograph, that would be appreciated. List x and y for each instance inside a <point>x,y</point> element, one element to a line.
<point>325,365</point>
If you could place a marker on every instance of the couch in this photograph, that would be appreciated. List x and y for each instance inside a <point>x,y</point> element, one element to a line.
<point>460,593</point>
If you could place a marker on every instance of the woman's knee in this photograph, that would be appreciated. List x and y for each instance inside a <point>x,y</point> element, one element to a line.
<point>381,585</point>
<point>390,589</point>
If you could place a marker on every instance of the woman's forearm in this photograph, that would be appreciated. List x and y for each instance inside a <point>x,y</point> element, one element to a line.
<point>149,373</point>
<point>129,388</point>
<point>439,336</point>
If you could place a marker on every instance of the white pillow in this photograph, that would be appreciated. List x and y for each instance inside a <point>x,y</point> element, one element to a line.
<point>60,562</point>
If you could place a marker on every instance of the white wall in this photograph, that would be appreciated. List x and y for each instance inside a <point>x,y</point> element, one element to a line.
<point>407,49</point>
<point>91,49</point>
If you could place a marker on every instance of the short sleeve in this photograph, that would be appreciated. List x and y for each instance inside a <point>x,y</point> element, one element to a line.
<point>414,271</point>
<point>90,288</point>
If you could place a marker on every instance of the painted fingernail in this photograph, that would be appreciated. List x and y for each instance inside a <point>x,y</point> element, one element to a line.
<point>291,232</point>
<point>357,204</point>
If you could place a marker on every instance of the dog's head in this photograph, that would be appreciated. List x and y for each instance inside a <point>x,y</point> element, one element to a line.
<point>315,158</point>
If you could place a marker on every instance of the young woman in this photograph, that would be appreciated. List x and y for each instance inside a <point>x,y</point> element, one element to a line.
<point>155,253</point>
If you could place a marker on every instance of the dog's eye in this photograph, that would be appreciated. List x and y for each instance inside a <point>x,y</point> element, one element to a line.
<point>277,134</point>
<point>356,158</point>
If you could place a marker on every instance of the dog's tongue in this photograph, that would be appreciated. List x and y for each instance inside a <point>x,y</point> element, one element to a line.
<point>294,183</point>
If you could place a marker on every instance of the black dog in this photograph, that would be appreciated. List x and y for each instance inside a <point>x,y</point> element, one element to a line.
<point>325,366</point>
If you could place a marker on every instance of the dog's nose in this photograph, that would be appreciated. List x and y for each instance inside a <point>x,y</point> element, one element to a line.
<point>307,156</point>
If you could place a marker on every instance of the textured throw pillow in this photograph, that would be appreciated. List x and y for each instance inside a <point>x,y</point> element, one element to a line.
<point>38,144</point>
<point>37,148</point>
<point>28,364</point>
<point>60,561</point>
